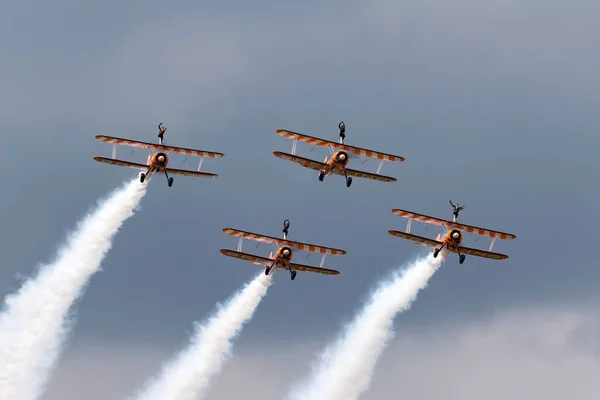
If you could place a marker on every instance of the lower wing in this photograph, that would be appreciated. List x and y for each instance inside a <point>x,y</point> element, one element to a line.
<point>265,262</point>
<point>316,270</point>
<point>481,253</point>
<point>319,166</point>
<point>423,241</point>
<point>172,171</point>
<point>436,244</point>
<point>251,258</point>
<point>121,163</point>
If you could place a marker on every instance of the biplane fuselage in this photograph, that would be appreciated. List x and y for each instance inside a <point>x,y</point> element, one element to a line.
<point>337,162</point>
<point>283,256</point>
<point>452,239</point>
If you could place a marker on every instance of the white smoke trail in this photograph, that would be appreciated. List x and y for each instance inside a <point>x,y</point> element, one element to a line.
<point>34,322</point>
<point>346,367</point>
<point>188,376</point>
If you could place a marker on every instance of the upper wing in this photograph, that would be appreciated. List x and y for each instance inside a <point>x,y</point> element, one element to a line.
<point>319,166</point>
<point>423,241</point>
<point>481,253</point>
<point>185,172</point>
<point>121,163</point>
<point>442,222</point>
<point>146,145</point>
<point>326,143</point>
<point>269,239</point>
<point>265,262</point>
<point>251,258</point>
<point>434,244</point>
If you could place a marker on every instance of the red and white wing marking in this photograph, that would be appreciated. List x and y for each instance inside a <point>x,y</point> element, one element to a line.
<point>435,244</point>
<point>326,143</point>
<point>269,239</point>
<point>146,145</point>
<point>121,163</point>
<point>442,222</point>
<point>265,262</point>
<point>319,166</point>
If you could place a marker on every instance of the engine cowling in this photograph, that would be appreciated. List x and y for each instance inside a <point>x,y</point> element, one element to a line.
<point>455,235</point>
<point>286,253</point>
<point>160,159</point>
<point>341,157</point>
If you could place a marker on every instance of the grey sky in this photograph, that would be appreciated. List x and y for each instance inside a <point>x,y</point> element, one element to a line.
<point>492,105</point>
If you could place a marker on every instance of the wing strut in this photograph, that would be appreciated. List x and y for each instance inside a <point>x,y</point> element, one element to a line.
<point>200,163</point>
<point>380,166</point>
<point>114,151</point>
<point>408,224</point>
<point>240,244</point>
<point>294,143</point>
<point>323,260</point>
<point>492,244</point>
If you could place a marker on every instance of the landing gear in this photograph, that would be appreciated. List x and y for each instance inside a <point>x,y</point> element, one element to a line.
<point>348,179</point>
<point>461,257</point>
<point>321,175</point>
<point>142,177</point>
<point>292,273</point>
<point>267,270</point>
<point>436,252</point>
<point>169,179</point>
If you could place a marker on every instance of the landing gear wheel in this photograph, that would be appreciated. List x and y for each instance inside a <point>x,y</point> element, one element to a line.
<point>142,177</point>
<point>348,182</point>
<point>267,270</point>
<point>170,181</point>
<point>293,275</point>
<point>461,259</point>
<point>321,176</point>
<point>436,252</point>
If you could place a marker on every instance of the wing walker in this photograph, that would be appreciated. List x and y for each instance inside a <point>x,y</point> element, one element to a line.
<point>158,159</point>
<point>284,252</point>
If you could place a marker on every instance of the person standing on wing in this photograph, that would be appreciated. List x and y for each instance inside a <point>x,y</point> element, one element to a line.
<point>161,132</point>
<point>457,209</point>
<point>286,226</point>
<point>342,132</point>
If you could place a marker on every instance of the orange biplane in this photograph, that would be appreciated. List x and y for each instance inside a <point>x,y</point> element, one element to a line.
<point>452,237</point>
<point>157,161</point>
<point>340,156</point>
<point>283,255</point>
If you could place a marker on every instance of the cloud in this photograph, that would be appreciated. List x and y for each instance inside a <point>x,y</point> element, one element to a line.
<point>517,354</point>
